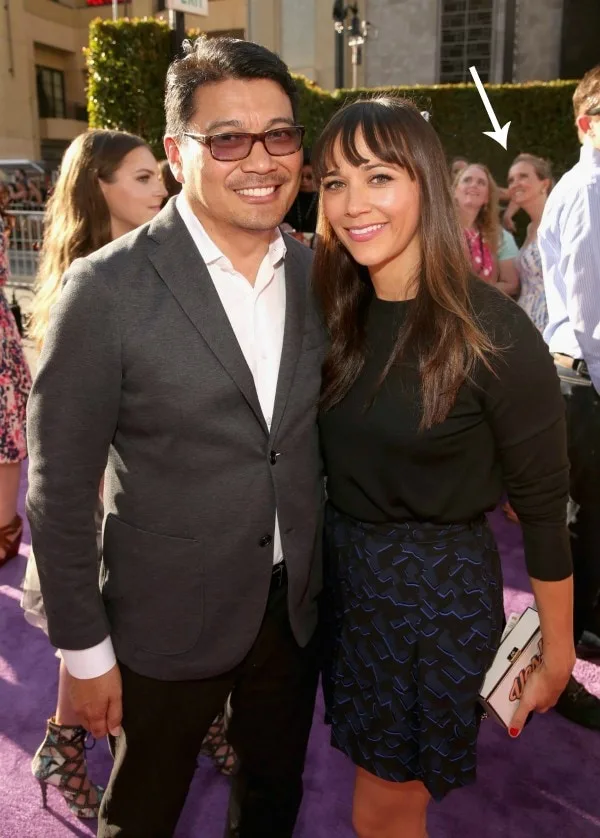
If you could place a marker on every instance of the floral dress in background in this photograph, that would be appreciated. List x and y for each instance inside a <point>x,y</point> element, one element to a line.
<point>15,379</point>
<point>532,298</point>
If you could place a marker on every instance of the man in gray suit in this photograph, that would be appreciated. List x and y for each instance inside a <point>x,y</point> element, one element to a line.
<point>183,363</point>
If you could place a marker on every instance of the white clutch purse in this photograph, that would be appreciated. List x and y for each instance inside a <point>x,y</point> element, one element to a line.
<point>519,655</point>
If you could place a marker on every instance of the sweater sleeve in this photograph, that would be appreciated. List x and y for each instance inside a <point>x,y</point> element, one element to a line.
<point>526,412</point>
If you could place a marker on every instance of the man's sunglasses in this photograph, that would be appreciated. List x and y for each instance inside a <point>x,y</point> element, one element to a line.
<point>278,142</point>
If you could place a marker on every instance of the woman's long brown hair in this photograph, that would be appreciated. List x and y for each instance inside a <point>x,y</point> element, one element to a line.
<point>77,219</point>
<point>441,328</point>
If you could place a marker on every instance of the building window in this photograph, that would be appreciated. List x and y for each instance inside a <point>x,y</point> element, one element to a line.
<point>51,93</point>
<point>466,39</point>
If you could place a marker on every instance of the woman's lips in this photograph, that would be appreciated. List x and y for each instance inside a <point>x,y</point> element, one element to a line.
<point>366,233</point>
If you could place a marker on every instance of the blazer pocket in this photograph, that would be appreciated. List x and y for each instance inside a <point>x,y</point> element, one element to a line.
<point>153,588</point>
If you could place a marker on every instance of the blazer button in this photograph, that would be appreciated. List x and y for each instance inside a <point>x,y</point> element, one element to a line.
<point>265,541</point>
<point>273,457</point>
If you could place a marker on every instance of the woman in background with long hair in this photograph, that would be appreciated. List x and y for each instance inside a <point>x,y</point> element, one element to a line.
<point>108,185</point>
<point>15,383</point>
<point>476,196</point>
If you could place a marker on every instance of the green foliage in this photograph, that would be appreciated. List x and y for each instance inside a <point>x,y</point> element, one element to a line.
<point>128,59</point>
<point>316,107</point>
<point>127,63</point>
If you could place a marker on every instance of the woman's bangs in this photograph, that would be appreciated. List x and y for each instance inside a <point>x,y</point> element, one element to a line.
<point>379,128</point>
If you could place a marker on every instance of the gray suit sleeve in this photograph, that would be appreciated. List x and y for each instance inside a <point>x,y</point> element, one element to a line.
<point>72,416</point>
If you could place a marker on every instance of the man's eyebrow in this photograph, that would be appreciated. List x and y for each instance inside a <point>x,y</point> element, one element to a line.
<point>287,120</point>
<point>235,123</point>
<point>224,123</point>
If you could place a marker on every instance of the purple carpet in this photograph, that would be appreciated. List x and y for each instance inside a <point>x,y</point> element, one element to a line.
<point>543,785</point>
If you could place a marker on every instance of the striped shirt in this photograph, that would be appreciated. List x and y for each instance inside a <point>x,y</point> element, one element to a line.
<point>569,242</point>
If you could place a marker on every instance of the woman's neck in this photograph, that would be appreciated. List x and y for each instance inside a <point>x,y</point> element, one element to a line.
<point>118,228</point>
<point>397,279</point>
<point>535,209</point>
<point>467,217</point>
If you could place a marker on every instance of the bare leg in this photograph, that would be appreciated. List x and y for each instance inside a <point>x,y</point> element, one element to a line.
<point>10,476</point>
<point>383,809</point>
<point>65,715</point>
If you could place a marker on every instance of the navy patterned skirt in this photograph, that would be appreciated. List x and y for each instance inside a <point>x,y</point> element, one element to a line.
<point>412,615</point>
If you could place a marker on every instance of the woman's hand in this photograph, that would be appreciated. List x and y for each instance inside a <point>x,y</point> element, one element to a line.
<point>542,691</point>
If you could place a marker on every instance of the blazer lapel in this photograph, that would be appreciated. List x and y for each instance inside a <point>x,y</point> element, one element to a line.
<point>295,306</point>
<point>185,274</point>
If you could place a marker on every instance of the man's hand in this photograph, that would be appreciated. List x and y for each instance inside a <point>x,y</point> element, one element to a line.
<point>541,692</point>
<point>97,702</point>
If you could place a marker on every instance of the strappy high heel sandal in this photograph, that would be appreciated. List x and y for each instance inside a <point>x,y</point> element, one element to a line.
<point>60,762</point>
<point>10,539</point>
<point>217,747</point>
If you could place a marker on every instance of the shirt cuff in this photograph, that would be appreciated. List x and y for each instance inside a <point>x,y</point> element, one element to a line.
<point>90,663</point>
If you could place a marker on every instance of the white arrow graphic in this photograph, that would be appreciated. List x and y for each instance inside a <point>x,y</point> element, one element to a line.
<point>499,134</point>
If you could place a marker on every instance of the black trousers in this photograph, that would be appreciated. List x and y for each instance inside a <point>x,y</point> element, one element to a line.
<point>583,432</point>
<point>164,723</point>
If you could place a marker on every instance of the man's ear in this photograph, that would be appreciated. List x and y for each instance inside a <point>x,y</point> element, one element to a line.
<point>583,123</point>
<point>174,158</point>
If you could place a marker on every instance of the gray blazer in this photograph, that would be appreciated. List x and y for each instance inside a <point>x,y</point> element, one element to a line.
<point>141,366</point>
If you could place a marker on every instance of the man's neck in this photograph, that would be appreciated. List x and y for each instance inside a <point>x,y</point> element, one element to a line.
<point>245,249</point>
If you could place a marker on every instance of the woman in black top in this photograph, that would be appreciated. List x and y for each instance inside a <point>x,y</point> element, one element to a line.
<point>438,392</point>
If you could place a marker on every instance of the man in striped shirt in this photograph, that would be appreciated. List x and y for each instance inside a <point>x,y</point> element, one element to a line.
<point>569,242</point>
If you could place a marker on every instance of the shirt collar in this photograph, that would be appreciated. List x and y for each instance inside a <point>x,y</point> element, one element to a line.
<point>590,156</point>
<point>210,253</point>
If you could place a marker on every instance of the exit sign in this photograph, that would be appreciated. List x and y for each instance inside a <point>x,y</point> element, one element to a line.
<point>192,7</point>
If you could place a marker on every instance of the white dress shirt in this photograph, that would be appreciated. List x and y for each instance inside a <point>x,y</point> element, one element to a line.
<point>257,317</point>
<point>569,243</point>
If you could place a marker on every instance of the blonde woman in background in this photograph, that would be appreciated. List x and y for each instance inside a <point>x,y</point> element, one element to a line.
<point>108,185</point>
<point>476,198</point>
<point>529,182</point>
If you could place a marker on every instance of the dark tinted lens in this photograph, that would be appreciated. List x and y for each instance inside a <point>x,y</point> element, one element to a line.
<point>282,141</point>
<point>230,146</point>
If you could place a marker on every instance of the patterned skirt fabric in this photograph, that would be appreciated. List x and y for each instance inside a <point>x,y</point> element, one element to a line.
<point>412,615</point>
<point>15,383</point>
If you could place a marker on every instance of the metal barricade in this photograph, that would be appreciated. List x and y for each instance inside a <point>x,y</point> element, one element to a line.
<point>24,245</point>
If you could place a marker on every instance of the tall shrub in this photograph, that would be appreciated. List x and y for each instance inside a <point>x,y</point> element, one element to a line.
<point>127,63</point>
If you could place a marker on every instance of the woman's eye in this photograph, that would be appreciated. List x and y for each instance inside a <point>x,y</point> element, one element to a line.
<point>380,179</point>
<point>332,185</point>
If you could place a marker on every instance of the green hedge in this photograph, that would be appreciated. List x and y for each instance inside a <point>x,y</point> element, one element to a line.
<point>127,62</point>
<point>540,113</point>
